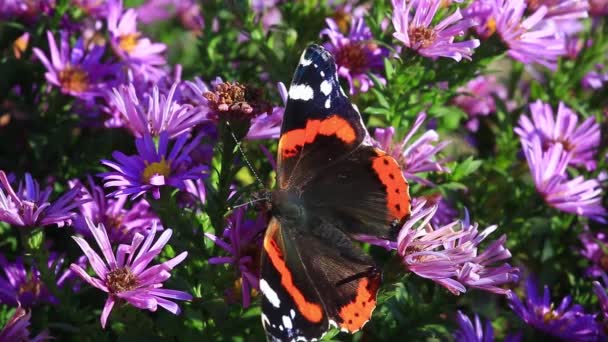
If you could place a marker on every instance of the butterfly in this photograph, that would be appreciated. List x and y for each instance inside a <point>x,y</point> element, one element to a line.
<point>332,184</point>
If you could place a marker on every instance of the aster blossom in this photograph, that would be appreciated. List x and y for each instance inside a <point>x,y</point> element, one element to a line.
<point>356,54</point>
<point>479,332</point>
<point>17,328</point>
<point>415,157</point>
<point>30,207</point>
<point>138,52</point>
<point>153,167</point>
<point>577,196</point>
<point>125,276</point>
<point>595,249</point>
<point>22,285</point>
<point>581,141</point>
<point>154,113</point>
<point>121,222</point>
<point>565,321</point>
<point>477,98</point>
<point>448,255</point>
<point>243,243</point>
<point>76,71</point>
<point>561,9</point>
<point>416,32</point>
<point>533,40</point>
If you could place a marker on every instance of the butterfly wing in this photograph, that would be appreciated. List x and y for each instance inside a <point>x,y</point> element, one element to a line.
<point>313,274</point>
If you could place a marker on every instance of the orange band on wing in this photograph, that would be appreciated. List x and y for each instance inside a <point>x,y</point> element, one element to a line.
<point>311,311</point>
<point>356,313</point>
<point>333,125</point>
<point>397,190</point>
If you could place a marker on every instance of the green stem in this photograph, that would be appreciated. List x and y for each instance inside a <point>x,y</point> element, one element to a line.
<point>37,257</point>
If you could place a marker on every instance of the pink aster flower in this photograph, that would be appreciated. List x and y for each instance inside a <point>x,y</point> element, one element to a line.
<point>76,71</point>
<point>416,157</point>
<point>16,329</point>
<point>356,54</point>
<point>577,196</point>
<point>477,99</point>
<point>595,249</point>
<point>30,207</point>
<point>154,113</point>
<point>530,40</point>
<point>561,9</point>
<point>581,141</point>
<point>121,222</point>
<point>448,255</point>
<point>138,52</point>
<point>268,125</point>
<point>436,41</point>
<point>125,276</point>
<point>244,243</point>
<point>153,167</point>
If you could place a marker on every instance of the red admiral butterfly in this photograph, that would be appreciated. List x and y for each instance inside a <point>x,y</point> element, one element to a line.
<point>332,184</point>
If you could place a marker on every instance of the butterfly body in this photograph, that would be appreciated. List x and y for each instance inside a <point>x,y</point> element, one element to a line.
<point>333,184</point>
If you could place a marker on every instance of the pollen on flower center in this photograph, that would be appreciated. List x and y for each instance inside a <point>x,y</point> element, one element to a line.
<point>74,78</point>
<point>162,167</point>
<point>237,100</point>
<point>120,280</point>
<point>33,286</point>
<point>128,42</point>
<point>353,56</point>
<point>422,36</point>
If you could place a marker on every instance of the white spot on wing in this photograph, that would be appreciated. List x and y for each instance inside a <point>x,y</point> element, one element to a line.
<point>265,320</point>
<point>287,322</point>
<point>269,293</point>
<point>326,87</point>
<point>327,103</point>
<point>305,62</point>
<point>300,92</point>
<point>322,73</point>
<point>292,313</point>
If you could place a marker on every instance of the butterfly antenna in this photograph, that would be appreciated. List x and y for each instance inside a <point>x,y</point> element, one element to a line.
<point>238,145</point>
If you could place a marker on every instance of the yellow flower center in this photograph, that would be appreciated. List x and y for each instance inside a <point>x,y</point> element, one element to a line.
<point>74,79</point>
<point>128,42</point>
<point>120,280</point>
<point>491,24</point>
<point>354,56</point>
<point>162,167</point>
<point>32,286</point>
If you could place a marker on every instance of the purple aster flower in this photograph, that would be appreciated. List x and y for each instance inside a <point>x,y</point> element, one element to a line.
<point>598,8</point>
<point>448,255</point>
<point>138,52</point>
<point>92,8</point>
<point>153,167</point>
<point>16,329</point>
<point>595,249</point>
<point>356,54</point>
<point>345,11</point>
<point>445,214</point>
<point>581,141</point>
<point>577,196</point>
<point>602,296</point>
<point>531,40</point>
<point>478,332</point>
<point>154,113</point>
<point>418,156</point>
<point>244,246</point>
<point>596,78</point>
<point>417,33</point>
<point>22,285</point>
<point>187,11</point>
<point>125,276</point>
<point>268,126</point>
<point>30,207</point>
<point>566,321</point>
<point>78,72</point>
<point>561,9</point>
<point>477,99</point>
<point>267,12</point>
<point>121,223</point>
